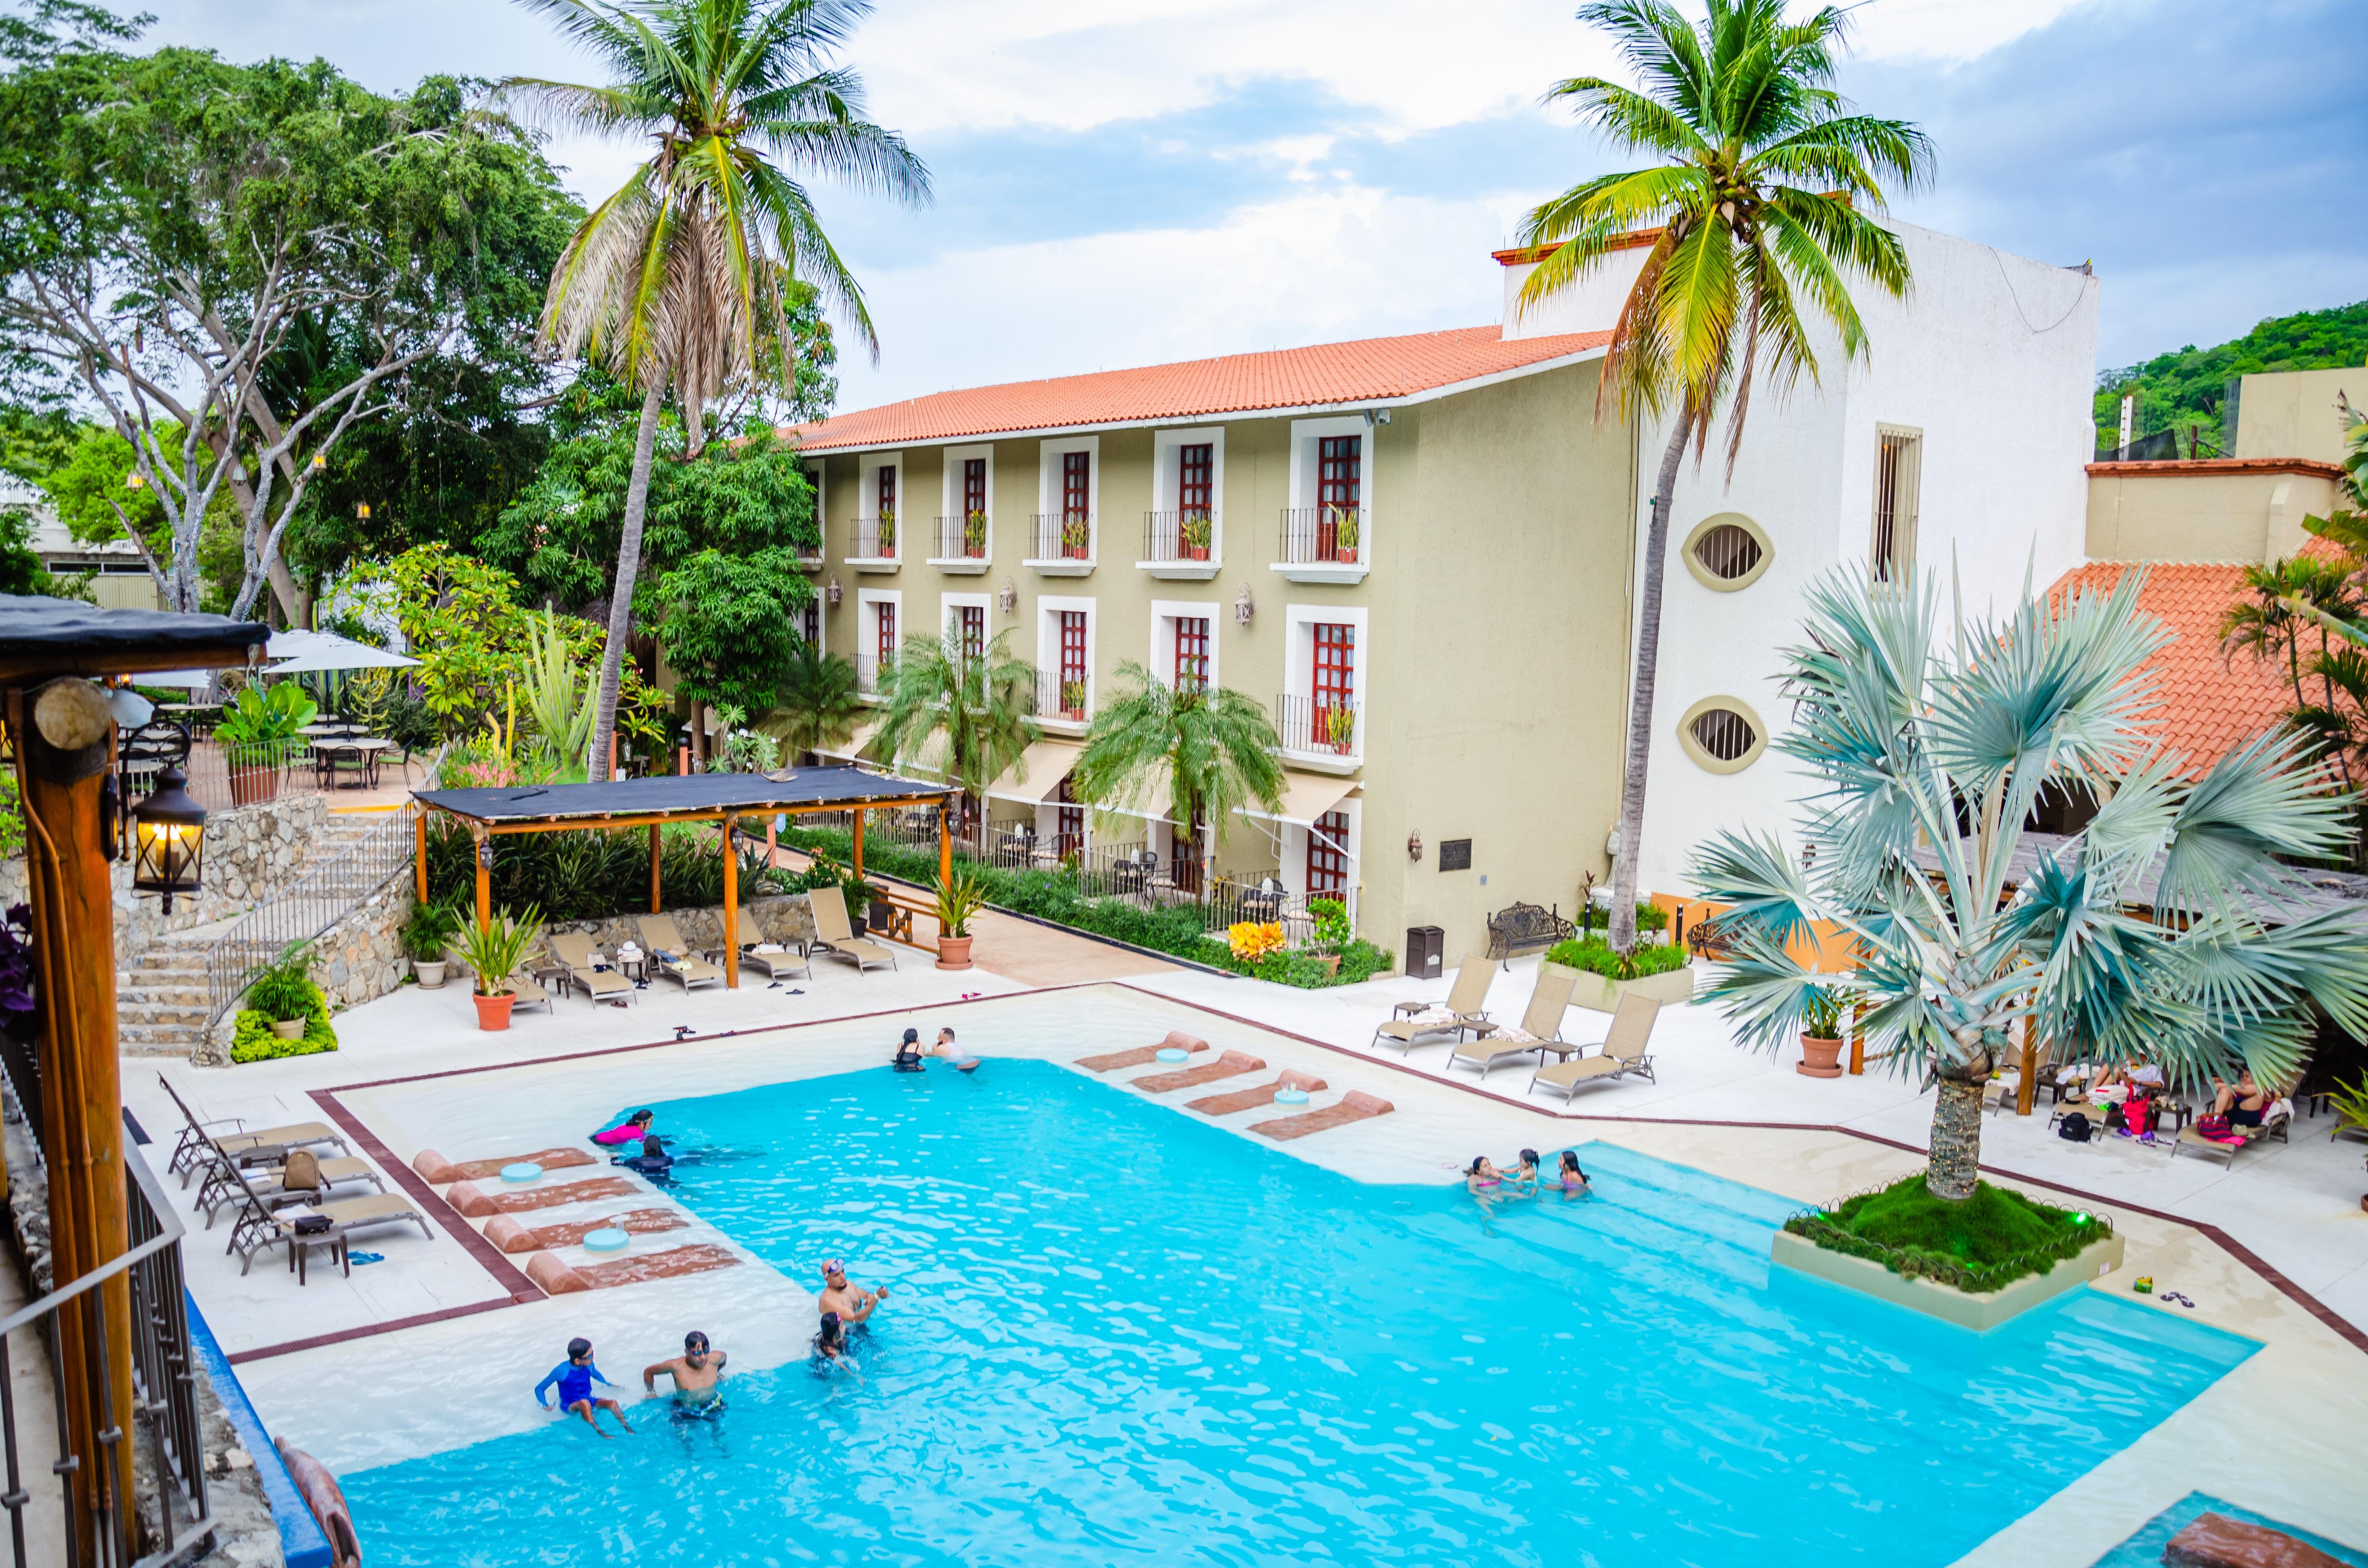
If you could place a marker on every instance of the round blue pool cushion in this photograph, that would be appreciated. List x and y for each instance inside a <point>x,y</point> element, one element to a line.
<point>1291,1096</point>
<point>609,1240</point>
<point>525,1170</point>
<point>1171,1053</point>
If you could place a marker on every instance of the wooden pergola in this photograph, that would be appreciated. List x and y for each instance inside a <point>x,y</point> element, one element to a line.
<point>719,798</point>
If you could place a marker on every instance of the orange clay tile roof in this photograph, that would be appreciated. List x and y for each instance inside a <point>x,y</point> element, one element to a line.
<point>2207,704</point>
<point>1372,370</point>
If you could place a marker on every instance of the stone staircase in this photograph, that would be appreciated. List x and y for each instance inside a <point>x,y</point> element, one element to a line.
<point>162,1004</point>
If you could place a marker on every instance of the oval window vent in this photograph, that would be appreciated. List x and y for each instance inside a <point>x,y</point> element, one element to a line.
<point>1724,733</point>
<point>1728,551</point>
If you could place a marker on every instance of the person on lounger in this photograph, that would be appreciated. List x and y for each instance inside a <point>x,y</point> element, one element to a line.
<point>908,1053</point>
<point>696,1372</point>
<point>633,1129</point>
<point>2241,1102</point>
<point>964,1060</point>
<point>851,1303</point>
<point>574,1378</point>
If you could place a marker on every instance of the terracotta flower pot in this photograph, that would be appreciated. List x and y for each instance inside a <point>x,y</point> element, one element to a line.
<point>1196,553</point>
<point>1820,1057</point>
<point>252,786</point>
<point>953,952</point>
<point>1331,962</point>
<point>289,1029</point>
<point>494,1012</point>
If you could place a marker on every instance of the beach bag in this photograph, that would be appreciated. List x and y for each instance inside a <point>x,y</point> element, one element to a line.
<point>2073,1129</point>
<point>2138,1114</point>
<point>302,1173</point>
<point>2212,1125</point>
<point>310,1224</point>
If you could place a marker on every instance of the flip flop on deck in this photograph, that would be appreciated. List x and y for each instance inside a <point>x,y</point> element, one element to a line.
<point>1355,1105</point>
<point>511,1236</point>
<point>558,1279</point>
<point>1250,1100</point>
<point>434,1169</point>
<point>1141,1054</point>
<point>475,1202</point>
<point>1231,1064</point>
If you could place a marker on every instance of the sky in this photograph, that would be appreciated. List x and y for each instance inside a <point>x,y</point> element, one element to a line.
<point>1124,182</point>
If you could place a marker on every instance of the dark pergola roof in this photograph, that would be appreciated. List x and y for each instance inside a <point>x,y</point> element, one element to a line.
<point>41,636</point>
<point>696,795</point>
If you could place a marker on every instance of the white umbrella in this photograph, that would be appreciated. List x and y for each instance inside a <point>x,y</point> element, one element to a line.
<point>327,651</point>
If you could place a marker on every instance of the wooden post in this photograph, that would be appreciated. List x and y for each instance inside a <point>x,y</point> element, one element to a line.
<point>1858,1041</point>
<point>419,859</point>
<point>682,762</point>
<point>945,846</point>
<point>485,878</point>
<point>2026,1090</point>
<point>654,869</point>
<point>855,862</point>
<point>613,754</point>
<point>62,754</point>
<point>731,911</point>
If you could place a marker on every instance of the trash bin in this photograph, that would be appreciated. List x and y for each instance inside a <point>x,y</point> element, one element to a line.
<point>1426,952</point>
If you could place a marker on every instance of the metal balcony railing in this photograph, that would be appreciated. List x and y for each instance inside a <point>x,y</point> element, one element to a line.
<point>867,674</point>
<point>1060,536</point>
<point>1313,536</point>
<point>961,539</point>
<point>1058,698</point>
<point>310,906</point>
<point>1327,726</point>
<point>1188,535</point>
<point>873,539</point>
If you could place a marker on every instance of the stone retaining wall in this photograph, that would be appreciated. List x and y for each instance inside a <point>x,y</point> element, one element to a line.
<point>356,960</point>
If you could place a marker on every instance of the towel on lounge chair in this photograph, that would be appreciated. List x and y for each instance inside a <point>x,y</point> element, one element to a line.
<point>1463,1010</point>
<point>575,950</point>
<point>671,954</point>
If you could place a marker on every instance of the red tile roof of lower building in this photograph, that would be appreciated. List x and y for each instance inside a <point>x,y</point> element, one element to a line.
<point>1372,370</point>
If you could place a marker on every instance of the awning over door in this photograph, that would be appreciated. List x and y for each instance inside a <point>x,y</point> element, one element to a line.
<point>856,742</point>
<point>1305,797</point>
<point>1154,804</point>
<point>1038,773</point>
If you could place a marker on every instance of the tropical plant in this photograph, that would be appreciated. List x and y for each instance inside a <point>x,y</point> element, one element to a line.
<point>974,534</point>
<point>1932,747</point>
<point>887,531</point>
<point>742,750</point>
<point>283,991</point>
<point>1333,927</point>
<point>1208,751</point>
<point>982,704</point>
<point>1343,532</point>
<point>1340,727</point>
<point>1251,940</point>
<point>1822,1007</point>
<point>1736,111</point>
<point>1195,530</point>
<point>683,277</point>
<point>494,951</point>
<point>820,700</point>
<point>1073,697</point>
<point>2351,1104</point>
<point>430,929</point>
<point>959,897</point>
<point>368,700</point>
<point>558,702</point>
<point>277,713</point>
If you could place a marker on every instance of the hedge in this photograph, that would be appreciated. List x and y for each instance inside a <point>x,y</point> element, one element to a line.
<point>253,1040</point>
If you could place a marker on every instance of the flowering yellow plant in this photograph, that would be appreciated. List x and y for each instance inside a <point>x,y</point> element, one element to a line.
<point>1252,940</point>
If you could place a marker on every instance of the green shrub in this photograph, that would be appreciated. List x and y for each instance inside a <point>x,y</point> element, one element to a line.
<point>252,1039</point>
<point>1595,956</point>
<point>1992,1239</point>
<point>1649,917</point>
<point>284,991</point>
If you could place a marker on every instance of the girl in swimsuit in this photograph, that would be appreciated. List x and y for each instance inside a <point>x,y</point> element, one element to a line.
<point>1574,1180</point>
<point>830,1344</point>
<point>908,1053</point>
<point>1483,1177</point>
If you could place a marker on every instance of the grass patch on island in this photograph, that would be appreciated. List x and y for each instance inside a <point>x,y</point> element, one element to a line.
<point>1993,1238</point>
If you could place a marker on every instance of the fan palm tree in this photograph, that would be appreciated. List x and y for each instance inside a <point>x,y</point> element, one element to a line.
<point>1212,749</point>
<point>979,707</point>
<point>820,700</point>
<point>682,279</point>
<point>2165,931</point>
<point>1744,257</point>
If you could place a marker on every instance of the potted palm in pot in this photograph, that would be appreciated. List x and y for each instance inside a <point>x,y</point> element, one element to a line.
<point>284,992</point>
<point>257,734</point>
<point>959,896</point>
<point>1073,700</point>
<point>1195,538</point>
<point>1344,534</point>
<point>1821,1031</point>
<point>887,532</point>
<point>425,937</point>
<point>974,535</point>
<point>494,951</point>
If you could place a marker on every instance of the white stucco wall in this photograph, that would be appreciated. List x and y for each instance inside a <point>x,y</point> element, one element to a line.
<point>1993,359</point>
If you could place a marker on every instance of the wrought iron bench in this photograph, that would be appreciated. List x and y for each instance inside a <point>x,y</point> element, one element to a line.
<point>1519,927</point>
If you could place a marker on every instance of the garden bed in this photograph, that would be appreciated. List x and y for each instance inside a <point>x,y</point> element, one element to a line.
<point>1990,1240</point>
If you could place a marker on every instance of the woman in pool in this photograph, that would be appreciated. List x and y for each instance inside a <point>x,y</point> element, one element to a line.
<point>633,1129</point>
<point>1574,1180</point>
<point>1481,1176</point>
<point>908,1053</point>
<point>830,1344</point>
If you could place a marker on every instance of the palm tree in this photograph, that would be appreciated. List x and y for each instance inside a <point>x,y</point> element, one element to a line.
<point>983,704</point>
<point>683,278</point>
<point>1933,746</point>
<point>821,702</point>
<point>1736,111</point>
<point>1213,749</point>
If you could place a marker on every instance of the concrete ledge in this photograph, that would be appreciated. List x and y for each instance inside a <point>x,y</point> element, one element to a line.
<point>1946,1302</point>
<point>1602,993</point>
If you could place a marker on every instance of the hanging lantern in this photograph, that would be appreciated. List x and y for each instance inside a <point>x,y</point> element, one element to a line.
<point>362,510</point>
<point>168,832</point>
<point>133,481</point>
<point>834,591</point>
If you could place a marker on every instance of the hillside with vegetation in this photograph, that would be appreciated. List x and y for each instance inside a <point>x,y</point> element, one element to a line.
<point>2189,387</point>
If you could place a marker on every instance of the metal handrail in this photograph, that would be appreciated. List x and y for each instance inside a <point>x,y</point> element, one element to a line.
<point>310,906</point>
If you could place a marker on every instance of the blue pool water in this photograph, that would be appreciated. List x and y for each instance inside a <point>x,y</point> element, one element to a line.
<point>1120,1336</point>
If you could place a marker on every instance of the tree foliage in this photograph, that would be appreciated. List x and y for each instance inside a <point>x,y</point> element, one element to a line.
<point>964,715</point>
<point>2189,386</point>
<point>1211,751</point>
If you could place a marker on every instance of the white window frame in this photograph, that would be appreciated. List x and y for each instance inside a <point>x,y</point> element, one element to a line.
<point>866,624</point>
<point>1167,468</point>
<point>950,487</point>
<point>1164,614</point>
<point>867,502</point>
<point>1048,484</point>
<point>1299,676</point>
<point>1291,850</point>
<point>947,621</point>
<point>1048,650</point>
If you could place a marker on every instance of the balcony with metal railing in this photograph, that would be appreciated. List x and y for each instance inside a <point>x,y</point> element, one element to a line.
<point>1181,545</point>
<point>1324,544</point>
<point>1327,733</point>
<point>873,545</point>
<point>1061,544</point>
<point>1063,706</point>
<point>963,543</point>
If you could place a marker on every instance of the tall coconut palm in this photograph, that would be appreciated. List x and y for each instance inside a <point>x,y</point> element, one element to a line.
<point>2165,931</point>
<point>971,715</point>
<point>820,700</point>
<point>1759,214</point>
<point>1212,749</point>
<point>682,279</point>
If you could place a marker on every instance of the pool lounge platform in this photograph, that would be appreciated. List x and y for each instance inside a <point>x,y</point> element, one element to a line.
<point>1967,1309</point>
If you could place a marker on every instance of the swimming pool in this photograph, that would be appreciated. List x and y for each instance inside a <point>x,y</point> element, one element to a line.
<point>1119,1335</point>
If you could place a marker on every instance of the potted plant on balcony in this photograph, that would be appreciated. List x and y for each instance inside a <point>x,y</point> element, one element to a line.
<point>493,951</point>
<point>1194,537</point>
<point>284,992</point>
<point>1333,931</point>
<point>1344,534</point>
<point>1076,538</point>
<point>425,935</point>
<point>1340,728</point>
<point>1072,701</point>
<point>1821,1031</point>
<point>975,536</point>
<point>256,734</point>
<point>887,546</point>
<point>959,896</point>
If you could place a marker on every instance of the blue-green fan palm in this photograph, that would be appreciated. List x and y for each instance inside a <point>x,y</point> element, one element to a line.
<point>2167,930</point>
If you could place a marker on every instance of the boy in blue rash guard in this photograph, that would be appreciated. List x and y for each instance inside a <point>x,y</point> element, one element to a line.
<point>574,1377</point>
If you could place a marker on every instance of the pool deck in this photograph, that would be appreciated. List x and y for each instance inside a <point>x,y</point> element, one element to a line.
<point>2276,1249</point>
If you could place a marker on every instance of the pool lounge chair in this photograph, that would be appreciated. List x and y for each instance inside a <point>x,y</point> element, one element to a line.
<point>260,1228</point>
<point>1463,1010</point>
<point>672,956</point>
<point>270,1183</point>
<point>1541,1024</point>
<point>526,991</point>
<point>573,949</point>
<point>780,965</point>
<point>1623,1053</point>
<point>2271,1127</point>
<point>265,1145</point>
<point>834,936</point>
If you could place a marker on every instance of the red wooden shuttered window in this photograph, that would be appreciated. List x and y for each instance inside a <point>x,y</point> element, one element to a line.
<point>810,621</point>
<point>1073,645</point>
<point>1195,474</point>
<point>1336,665</point>
<point>1191,652</point>
<point>1340,484</point>
<point>973,486</point>
<point>887,498</point>
<point>887,646</point>
<point>1077,483</point>
<point>973,630</point>
<point>1327,863</point>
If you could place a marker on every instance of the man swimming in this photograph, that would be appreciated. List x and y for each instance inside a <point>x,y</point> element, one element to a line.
<point>696,1372</point>
<point>852,1303</point>
<point>574,1377</point>
<point>963,1061</point>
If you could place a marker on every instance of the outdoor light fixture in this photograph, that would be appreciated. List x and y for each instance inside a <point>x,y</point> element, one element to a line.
<point>168,835</point>
<point>1413,845</point>
<point>320,461</point>
<point>133,481</point>
<point>362,510</point>
<point>1243,608</point>
<point>1008,599</point>
<point>834,592</point>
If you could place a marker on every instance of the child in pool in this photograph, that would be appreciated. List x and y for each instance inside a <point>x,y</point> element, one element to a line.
<point>1574,1180</point>
<point>574,1379</point>
<point>633,1129</point>
<point>1481,1176</point>
<point>1525,1176</point>
<point>830,1343</point>
<point>653,1161</point>
<point>908,1053</point>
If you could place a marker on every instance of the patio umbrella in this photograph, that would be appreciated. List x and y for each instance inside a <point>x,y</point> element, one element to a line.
<point>325,651</point>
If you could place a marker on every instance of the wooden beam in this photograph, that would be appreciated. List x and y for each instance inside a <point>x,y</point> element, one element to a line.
<point>484,855</point>
<point>654,868</point>
<point>36,664</point>
<point>731,911</point>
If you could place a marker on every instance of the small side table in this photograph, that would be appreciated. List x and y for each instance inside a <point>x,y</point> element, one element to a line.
<point>299,1249</point>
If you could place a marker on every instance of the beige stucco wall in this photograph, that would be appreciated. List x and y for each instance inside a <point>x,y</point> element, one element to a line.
<point>2292,413</point>
<point>2251,517</point>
